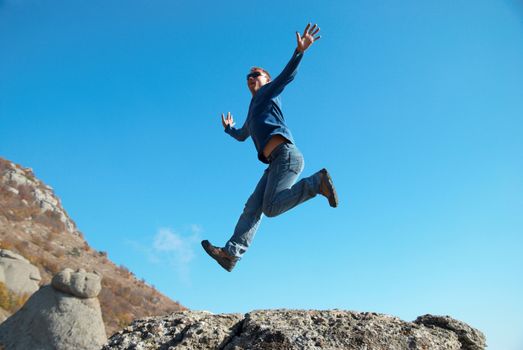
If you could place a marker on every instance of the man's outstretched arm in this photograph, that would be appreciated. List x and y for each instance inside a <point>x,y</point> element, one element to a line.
<point>228,124</point>
<point>303,42</point>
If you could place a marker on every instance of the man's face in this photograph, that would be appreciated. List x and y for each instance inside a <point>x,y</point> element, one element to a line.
<point>256,79</point>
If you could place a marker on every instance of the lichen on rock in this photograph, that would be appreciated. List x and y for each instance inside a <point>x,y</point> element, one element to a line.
<point>293,329</point>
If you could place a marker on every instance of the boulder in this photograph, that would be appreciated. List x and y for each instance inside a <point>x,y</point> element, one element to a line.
<point>296,329</point>
<point>17,273</point>
<point>469,337</point>
<point>80,283</point>
<point>56,320</point>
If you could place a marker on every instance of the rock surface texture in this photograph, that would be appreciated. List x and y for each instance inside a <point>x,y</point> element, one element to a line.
<point>17,273</point>
<point>80,283</point>
<point>295,329</point>
<point>55,320</point>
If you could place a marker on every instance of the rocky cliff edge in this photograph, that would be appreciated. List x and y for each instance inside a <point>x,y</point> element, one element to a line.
<point>296,329</point>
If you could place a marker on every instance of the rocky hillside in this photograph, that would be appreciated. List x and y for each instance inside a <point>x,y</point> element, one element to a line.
<point>34,224</point>
<point>296,329</point>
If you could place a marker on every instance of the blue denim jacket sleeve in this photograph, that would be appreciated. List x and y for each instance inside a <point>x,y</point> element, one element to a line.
<point>239,134</point>
<point>275,87</point>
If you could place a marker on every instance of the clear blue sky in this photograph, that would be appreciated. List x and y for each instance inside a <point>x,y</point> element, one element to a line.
<point>415,107</point>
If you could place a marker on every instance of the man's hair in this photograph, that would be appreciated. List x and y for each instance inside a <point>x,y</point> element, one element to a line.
<point>263,70</point>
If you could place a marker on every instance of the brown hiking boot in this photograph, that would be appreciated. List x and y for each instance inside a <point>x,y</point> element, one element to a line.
<point>220,255</point>
<point>327,188</point>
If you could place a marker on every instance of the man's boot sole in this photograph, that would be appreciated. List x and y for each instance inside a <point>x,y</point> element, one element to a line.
<point>333,198</point>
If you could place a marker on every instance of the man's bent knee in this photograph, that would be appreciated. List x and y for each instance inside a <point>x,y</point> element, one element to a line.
<point>269,211</point>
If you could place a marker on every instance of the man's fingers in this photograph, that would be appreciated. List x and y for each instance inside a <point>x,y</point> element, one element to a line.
<point>312,29</point>
<point>229,119</point>
<point>317,38</point>
<point>306,29</point>
<point>298,36</point>
<point>313,33</point>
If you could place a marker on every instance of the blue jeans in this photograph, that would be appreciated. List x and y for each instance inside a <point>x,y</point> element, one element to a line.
<point>275,193</point>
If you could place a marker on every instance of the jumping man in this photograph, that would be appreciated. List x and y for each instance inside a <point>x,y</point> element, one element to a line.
<point>276,191</point>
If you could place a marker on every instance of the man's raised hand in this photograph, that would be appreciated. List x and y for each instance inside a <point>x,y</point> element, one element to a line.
<point>308,37</point>
<point>227,121</point>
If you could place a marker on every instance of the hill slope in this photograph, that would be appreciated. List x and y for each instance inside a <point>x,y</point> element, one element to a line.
<point>34,224</point>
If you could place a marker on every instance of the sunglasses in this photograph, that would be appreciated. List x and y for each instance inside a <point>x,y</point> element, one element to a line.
<point>254,74</point>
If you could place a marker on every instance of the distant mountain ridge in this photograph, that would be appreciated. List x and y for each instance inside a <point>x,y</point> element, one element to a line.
<point>34,224</point>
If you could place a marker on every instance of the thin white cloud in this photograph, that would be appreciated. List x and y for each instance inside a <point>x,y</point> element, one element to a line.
<point>196,229</point>
<point>180,247</point>
<point>172,249</point>
<point>166,240</point>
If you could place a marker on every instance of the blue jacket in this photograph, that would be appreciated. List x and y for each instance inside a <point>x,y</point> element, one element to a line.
<point>265,118</point>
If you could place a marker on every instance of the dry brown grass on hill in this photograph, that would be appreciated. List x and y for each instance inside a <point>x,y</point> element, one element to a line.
<point>11,301</point>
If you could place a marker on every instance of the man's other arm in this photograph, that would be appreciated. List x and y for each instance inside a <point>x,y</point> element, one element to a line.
<point>228,124</point>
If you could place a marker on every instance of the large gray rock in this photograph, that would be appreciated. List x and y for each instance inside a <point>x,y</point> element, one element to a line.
<point>17,273</point>
<point>468,336</point>
<point>296,329</point>
<point>54,320</point>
